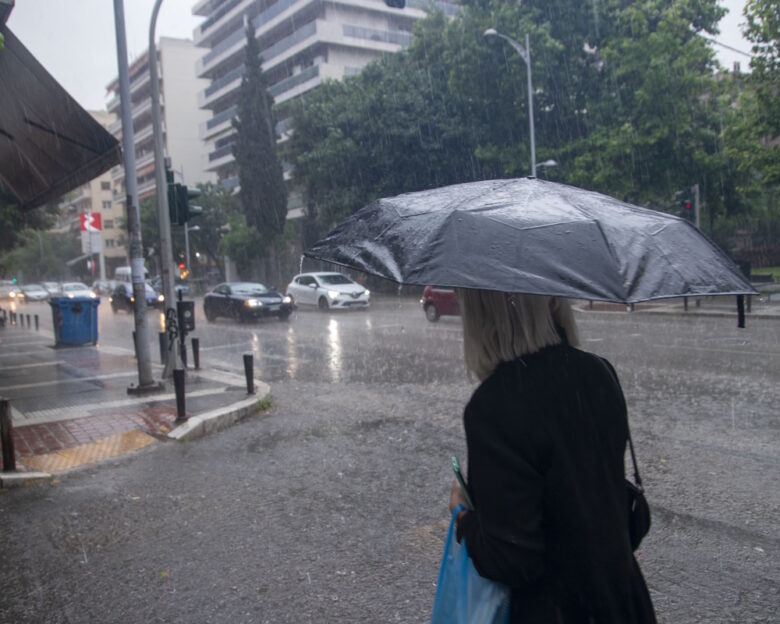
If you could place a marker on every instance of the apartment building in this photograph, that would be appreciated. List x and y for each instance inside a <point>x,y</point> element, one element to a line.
<point>96,196</point>
<point>303,43</point>
<point>181,118</point>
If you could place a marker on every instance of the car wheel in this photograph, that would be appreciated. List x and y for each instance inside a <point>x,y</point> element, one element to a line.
<point>284,315</point>
<point>210,316</point>
<point>431,313</point>
<point>322,304</point>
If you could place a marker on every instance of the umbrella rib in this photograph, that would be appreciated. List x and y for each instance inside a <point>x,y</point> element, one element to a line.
<point>67,139</point>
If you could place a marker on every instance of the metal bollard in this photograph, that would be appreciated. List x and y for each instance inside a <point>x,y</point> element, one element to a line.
<point>685,303</point>
<point>29,325</point>
<point>7,436</point>
<point>178,386</point>
<point>196,353</point>
<point>163,339</point>
<point>249,371</point>
<point>36,323</point>
<point>21,319</point>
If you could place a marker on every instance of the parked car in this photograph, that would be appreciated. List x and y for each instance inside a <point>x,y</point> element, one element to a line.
<point>438,302</point>
<point>77,289</point>
<point>180,285</point>
<point>245,300</point>
<point>53,288</point>
<point>34,292</point>
<point>327,291</point>
<point>6,287</point>
<point>122,297</point>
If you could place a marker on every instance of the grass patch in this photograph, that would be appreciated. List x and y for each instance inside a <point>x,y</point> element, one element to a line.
<point>774,271</point>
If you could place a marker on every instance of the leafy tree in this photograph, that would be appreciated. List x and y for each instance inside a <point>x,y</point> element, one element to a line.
<point>263,190</point>
<point>42,255</point>
<point>13,221</point>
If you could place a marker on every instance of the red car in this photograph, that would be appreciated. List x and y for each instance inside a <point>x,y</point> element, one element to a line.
<point>438,302</point>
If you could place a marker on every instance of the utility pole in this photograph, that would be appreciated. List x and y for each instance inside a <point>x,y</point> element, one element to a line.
<point>146,381</point>
<point>163,217</point>
<point>696,205</point>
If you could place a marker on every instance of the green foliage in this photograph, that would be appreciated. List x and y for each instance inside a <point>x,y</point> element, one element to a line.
<point>42,255</point>
<point>263,190</point>
<point>628,101</point>
<point>13,222</point>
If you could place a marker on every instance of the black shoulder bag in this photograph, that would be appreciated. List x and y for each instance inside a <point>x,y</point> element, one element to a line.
<point>638,509</point>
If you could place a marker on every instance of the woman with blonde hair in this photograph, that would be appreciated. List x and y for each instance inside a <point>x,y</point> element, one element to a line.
<point>546,433</point>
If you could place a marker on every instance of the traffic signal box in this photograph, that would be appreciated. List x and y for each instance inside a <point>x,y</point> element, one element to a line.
<point>179,196</point>
<point>685,202</point>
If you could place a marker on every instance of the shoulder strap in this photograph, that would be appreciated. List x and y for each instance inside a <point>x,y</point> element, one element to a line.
<point>613,377</point>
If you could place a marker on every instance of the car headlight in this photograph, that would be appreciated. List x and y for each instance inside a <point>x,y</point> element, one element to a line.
<point>333,294</point>
<point>111,300</point>
<point>287,299</point>
<point>70,295</point>
<point>12,294</point>
<point>132,299</point>
<point>368,293</point>
<point>253,303</point>
<point>93,295</point>
<point>160,298</point>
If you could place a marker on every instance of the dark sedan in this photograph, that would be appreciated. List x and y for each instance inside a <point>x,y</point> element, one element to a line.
<point>243,301</point>
<point>122,297</point>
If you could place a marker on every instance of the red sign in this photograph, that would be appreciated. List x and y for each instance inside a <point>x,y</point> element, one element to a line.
<point>91,222</point>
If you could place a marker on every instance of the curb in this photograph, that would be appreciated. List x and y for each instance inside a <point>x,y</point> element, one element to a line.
<point>195,427</point>
<point>215,420</point>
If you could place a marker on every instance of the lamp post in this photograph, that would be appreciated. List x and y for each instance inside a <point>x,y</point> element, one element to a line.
<point>525,54</point>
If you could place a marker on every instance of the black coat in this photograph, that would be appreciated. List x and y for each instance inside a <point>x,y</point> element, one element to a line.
<point>546,437</point>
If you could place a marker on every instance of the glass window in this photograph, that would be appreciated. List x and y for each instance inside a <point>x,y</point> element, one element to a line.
<point>105,186</point>
<point>106,205</point>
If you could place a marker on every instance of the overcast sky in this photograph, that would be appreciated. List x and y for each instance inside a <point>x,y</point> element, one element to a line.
<point>75,40</point>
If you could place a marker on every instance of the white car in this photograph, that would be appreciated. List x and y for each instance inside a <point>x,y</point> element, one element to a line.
<point>34,292</point>
<point>327,291</point>
<point>77,289</point>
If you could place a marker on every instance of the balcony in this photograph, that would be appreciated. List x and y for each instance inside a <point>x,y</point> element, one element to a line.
<point>400,38</point>
<point>217,15</point>
<point>217,123</point>
<point>293,81</point>
<point>220,152</point>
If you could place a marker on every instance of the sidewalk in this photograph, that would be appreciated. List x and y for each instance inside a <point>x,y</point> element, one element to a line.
<point>70,406</point>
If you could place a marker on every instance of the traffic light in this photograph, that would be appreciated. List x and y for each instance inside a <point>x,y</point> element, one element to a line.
<point>185,211</point>
<point>685,202</point>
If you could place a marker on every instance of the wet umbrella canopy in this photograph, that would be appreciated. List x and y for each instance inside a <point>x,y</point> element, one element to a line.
<point>48,143</point>
<point>532,236</point>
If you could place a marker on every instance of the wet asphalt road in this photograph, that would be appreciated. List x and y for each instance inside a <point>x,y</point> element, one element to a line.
<point>331,506</point>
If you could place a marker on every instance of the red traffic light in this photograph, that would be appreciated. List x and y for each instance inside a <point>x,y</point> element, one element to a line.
<point>687,205</point>
<point>182,266</point>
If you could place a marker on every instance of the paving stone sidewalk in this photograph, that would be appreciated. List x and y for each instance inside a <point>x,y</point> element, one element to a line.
<point>70,406</point>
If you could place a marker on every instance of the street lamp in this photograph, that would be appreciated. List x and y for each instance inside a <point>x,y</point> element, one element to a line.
<point>525,54</point>
<point>187,230</point>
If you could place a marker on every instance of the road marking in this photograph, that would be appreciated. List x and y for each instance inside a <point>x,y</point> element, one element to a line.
<point>64,381</point>
<point>228,346</point>
<point>81,411</point>
<point>18,353</point>
<point>52,363</point>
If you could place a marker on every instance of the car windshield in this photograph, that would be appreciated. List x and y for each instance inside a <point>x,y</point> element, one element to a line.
<point>248,289</point>
<point>335,278</point>
<point>150,290</point>
<point>33,288</point>
<point>74,286</point>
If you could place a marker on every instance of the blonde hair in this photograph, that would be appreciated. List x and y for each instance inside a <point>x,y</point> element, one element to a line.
<point>500,327</point>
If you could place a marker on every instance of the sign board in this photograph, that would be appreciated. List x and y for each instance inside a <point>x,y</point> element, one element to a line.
<point>91,222</point>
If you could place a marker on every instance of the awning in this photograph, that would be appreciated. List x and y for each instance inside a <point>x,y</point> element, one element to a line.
<point>49,144</point>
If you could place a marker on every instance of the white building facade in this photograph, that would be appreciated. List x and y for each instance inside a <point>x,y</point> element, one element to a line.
<point>181,118</point>
<point>302,42</point>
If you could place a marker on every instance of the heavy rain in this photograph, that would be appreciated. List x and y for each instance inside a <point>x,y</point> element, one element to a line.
<point>231,384</point>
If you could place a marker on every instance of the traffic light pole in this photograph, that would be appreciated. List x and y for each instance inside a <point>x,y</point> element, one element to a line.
<point>163,217</point>
<point>146,381</point>
<point>696,207</point>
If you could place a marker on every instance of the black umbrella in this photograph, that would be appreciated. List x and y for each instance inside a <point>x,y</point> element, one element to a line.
<point>532,236</point>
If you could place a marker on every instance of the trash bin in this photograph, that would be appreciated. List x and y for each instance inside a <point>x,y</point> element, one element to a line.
<point>74,320</point>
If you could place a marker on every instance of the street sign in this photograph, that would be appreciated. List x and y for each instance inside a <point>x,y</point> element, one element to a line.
<point>91,222</point>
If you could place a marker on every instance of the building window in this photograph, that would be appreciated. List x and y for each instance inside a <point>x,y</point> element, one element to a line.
<point>109,242</point>
<point>105,186</point>
<point>106,205</point>
<point>108,224</point>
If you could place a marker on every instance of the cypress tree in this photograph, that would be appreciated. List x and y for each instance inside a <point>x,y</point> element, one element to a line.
<point>263,190</point>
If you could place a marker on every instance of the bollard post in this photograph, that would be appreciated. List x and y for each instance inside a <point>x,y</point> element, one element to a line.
<point>36,322</point>
<point>162,337</point>
<point>29,325</point>
<point>7,436</point>
<point>749,303</point>
<point>196,353</point>
<point>685,303</point>
<point>249,371</point>
<point>21,320</point>
<point>135,343</point>
<point>178,386</point>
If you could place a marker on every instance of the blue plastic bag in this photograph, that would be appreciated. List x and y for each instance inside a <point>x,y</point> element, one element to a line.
<point>462,595</point>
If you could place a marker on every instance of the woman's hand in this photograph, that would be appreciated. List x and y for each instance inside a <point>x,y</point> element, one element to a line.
<point>457,498</point>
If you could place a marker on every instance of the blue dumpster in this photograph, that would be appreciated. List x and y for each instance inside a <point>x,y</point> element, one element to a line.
<point>75,320</point>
